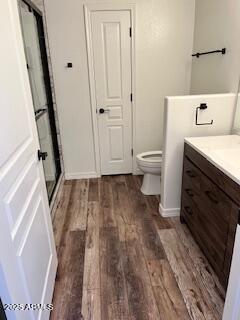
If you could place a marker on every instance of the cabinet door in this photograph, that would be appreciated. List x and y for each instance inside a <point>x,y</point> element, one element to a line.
<point>231,239</point>
<point>203,233</point>
<point>211,216</point>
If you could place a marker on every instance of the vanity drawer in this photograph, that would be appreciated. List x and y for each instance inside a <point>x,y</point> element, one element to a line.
<point>189,210</point>
<point>214,204</point>
<point>191,177</point>
<point>210,242</point>
<point>226,184</point>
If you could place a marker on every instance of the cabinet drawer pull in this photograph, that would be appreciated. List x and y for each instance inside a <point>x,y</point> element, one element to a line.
<point>188,210</point>
<point>212,197</point>
<point>189,192</point>
<point>191,174</point>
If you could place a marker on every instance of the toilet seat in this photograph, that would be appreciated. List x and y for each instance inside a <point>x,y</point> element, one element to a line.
<point>150,159</point>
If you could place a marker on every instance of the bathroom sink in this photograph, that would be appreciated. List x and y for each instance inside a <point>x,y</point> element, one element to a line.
<point>221,151</point>
<point>230,156</point>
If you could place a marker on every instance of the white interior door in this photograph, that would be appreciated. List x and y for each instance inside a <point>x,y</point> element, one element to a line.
<point>111,44</point>
<point>27,252</point>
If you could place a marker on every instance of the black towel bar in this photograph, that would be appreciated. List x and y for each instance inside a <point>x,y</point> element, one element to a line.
<point>222,51</point>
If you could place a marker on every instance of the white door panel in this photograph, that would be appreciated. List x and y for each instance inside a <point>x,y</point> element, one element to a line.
<point>111,44</point>
<point>27,251</point>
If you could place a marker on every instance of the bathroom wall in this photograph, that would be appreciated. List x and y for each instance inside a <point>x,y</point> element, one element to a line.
<point>179,123</point>
<point>217,25</point>
<point>164,39</point>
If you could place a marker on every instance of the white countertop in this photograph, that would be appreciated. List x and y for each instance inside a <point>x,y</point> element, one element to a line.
<point>222,151</point>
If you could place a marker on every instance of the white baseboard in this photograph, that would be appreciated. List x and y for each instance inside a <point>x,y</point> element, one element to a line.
<point>172,212</point>
<point>81,175</point>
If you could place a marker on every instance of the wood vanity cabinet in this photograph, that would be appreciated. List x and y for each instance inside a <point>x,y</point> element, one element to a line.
<point>210,208</point>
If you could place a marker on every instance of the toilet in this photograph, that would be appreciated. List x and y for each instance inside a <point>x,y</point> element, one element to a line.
<point>150,164</point>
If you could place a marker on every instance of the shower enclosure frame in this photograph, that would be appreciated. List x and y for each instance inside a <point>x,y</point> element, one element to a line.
<point>47,83</point>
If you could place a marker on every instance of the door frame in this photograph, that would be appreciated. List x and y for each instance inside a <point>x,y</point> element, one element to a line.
<point>88,8</point>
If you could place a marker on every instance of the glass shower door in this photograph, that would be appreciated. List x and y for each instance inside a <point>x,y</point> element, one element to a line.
<point>35,51</point>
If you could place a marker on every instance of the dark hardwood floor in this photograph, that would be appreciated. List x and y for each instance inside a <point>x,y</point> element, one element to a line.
<point>119,259</point>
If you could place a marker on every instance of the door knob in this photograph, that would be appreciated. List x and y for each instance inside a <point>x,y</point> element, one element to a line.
<point>101,110</point>
<point>42,155</point>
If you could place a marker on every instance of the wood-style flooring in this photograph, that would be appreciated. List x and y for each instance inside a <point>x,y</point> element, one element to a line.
<point>119,259</point>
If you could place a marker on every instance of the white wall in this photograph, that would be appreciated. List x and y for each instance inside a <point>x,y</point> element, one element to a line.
<point>164,39</point>
<point>236,127</point>
<point>179,123</point>
<point>217,25</point>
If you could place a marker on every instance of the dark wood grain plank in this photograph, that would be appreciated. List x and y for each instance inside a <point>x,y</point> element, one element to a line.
<point>107,217</point>
<point>62,283</point>
<point>150,241</point>
<point>169,299</point>
<point>62,248</point>
<point>93,193</point>
<point>146,227</point>
<point>78,208</point>
<point>113,292</point>
<point>142,304</point>
<point>138,203</point>
<point>123,210</point>
<point>121,201</point>
<point>71,280</point>
<point>91,304</point>
<point>61,213</point>
<point>91,262</point>
<point>73,300</point>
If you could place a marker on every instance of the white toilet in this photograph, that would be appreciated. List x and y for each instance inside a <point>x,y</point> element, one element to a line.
<point>150,164</point>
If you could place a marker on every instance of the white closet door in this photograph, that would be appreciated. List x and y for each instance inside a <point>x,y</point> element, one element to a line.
<point>111,43</point>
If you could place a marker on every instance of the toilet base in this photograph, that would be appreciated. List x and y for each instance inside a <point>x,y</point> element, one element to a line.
<point>151,184</point>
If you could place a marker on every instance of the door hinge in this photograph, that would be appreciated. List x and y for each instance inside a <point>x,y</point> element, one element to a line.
<point>130,32</point>
<point>131,97</point>
<point>132,152</point>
